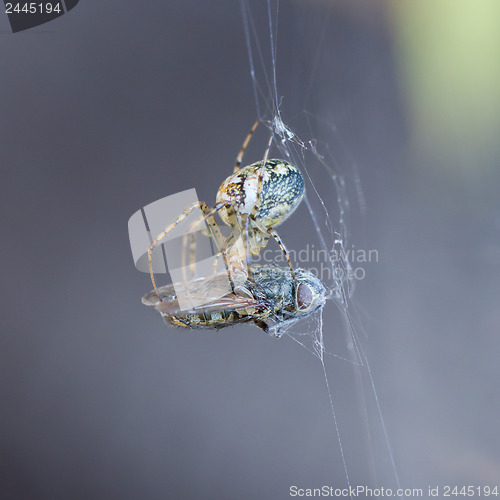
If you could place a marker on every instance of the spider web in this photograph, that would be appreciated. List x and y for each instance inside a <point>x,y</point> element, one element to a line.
<point>333,192</point>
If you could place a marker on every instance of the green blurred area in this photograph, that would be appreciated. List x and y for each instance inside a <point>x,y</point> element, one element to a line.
<point>448,53</point>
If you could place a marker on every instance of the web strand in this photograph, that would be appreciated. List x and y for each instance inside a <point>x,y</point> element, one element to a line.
<point>314,157</point>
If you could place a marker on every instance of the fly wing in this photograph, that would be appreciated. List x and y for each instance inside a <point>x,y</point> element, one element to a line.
<point>167,294</point>
<point>196,287</point>
<point>229,302</point>
<point>203,291</point>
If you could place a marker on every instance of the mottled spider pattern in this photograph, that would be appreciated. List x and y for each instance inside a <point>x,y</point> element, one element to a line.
<point>281,191</point>
<point>273,299</point>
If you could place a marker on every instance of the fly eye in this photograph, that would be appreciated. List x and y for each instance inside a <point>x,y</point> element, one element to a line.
<point>304,297</point>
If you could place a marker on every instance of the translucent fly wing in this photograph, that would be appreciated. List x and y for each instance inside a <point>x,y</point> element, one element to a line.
<point>201,291</point>
<point>196,287</point>
<point>230,302</point>
<point>167,293</point>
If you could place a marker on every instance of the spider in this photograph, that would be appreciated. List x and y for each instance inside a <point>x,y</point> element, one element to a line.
<point>252,201</point>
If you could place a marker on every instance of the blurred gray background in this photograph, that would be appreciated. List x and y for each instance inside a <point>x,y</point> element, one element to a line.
<point>115,105</point>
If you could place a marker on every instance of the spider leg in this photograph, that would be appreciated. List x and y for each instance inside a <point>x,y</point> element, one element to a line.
<point>272,232</point>
<point>216,263</point>
<point>214,232</point>
<point>225,245</point>
<point>208,217</point>
<point>247,251</point>
<point>192,255</point>
<point>239,158</point>
<point>162,235</point>
<point>276,236</point>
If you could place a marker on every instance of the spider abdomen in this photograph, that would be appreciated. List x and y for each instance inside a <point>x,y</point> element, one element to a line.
<point>281,192</point>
